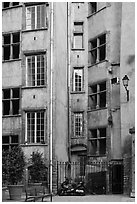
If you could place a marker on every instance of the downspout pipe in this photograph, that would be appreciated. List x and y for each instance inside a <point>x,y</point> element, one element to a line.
<point>68,77</point>
<point>51,92</point>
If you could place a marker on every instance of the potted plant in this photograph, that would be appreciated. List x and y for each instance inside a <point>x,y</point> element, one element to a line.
<point>16,164</point>
<point>38,169</point>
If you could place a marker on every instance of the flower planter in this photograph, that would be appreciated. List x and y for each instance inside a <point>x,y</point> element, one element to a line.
<point>15,191</point>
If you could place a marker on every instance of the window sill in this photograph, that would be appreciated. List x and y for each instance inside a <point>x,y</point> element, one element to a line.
<point>77,49</point>
<point>11,60</point>
<point>97,109</point>
<point>78,137</point>
<point>77,92</point>
<point>33,144</point>
<point>90,15</point>
<point>90,155</point>
<point>33,87</point>
<point>11,7</point>
<point>11,116</point>
<point>33,30</point>
<point>91,65</point>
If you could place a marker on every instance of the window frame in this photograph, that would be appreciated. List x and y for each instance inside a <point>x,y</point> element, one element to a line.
<point>97,95</point>
<point>36,68</point>
<point>98,140</point>
<point>34,140</point>
<point>78,131</point>
<point>11,100</point>
<point>10,144</point>
<point>35,6</point>
<point>11,46</point>
<point>79,84</point>
<point>79,33</point>
<point>96,49</point>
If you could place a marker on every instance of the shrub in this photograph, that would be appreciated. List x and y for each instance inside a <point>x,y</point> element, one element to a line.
<point>38,168</point>
<point>14,163</point>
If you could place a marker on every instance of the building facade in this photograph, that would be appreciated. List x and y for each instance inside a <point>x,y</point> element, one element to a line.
<point>62,71</point>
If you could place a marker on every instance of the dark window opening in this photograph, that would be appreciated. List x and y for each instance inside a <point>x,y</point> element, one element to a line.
<point>92,7</point>
<point>16,93</point>
<point>102,100</point>
<point>6,107</point>
<point>9,141</point>
<point>16,50</point>
<point>15,3</point>
<point>6,94</point>
<point>6,4</point>
<point>16,37</point>
<point>6,53</point>
<point>97,141</point>
<point>15,107</point>
<point>6,39</point>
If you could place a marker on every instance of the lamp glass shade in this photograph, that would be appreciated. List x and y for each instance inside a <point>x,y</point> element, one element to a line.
<point>125,80</point>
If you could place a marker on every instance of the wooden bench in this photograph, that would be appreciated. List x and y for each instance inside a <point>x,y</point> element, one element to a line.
<point>37,193</point>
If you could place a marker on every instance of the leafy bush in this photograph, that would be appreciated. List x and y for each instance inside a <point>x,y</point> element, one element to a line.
<point>4,167</point>
<point>14,163</point>
<point>38,168</point>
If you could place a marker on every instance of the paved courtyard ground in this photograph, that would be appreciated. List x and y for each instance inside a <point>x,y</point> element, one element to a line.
<point>87,198</point>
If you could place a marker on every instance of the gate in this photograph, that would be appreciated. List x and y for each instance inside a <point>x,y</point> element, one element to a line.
<point>93,174</point>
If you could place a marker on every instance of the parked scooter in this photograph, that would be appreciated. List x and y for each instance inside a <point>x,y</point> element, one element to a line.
<point>69,189</point>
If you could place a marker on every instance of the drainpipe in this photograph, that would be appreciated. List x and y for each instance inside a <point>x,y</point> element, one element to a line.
<point>68,77</point>
<point>51,92</point>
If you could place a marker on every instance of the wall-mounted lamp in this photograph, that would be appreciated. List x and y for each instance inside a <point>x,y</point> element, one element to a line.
<point>125,84</point>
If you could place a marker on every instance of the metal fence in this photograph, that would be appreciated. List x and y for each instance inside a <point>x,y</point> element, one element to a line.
<point>93,174</point>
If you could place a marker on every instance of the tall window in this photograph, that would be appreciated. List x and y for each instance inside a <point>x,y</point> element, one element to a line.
<point>35,127</point>
<point>78,124</point>
<point>97,49</point>
<point>97,95</point>
<point>36,70</point>
<point>11,100</point>
<point>11,46</point>
<point>35,17</point>
<point>78,79</point>
<point>78,35</point>
<point>97,141</point>
<point>9,141</point>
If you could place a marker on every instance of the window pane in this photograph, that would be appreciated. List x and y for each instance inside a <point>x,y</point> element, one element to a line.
<point>78,27</point>
<point>33,17</point>
<point>6,94</point>
<point>6,53</point>
<point>102,100</point>
<point>78,41</point>
<point>6,107</point>
<point>42,16</point>
<point>78,119</point>
<point>15,93</point>
<point>102,146</point>
<point>6,39</point>
<point>14,139</point>
<point>6,4</point>
<point>5,140</point>
<point>16,37</point>
<point>93,147</point>
<point>15,3</point>
<point>16,51</point>
<point>15,107</point>
<point>77,80</point>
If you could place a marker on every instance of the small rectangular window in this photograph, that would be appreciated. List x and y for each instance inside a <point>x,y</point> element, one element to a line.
<point>78,124</point>
<point>78,80</point>
<point>78,35</point>
<point>6,4</point>
<point>9,141</point>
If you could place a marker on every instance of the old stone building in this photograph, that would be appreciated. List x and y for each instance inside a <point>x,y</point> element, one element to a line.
<point>63,94</point>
